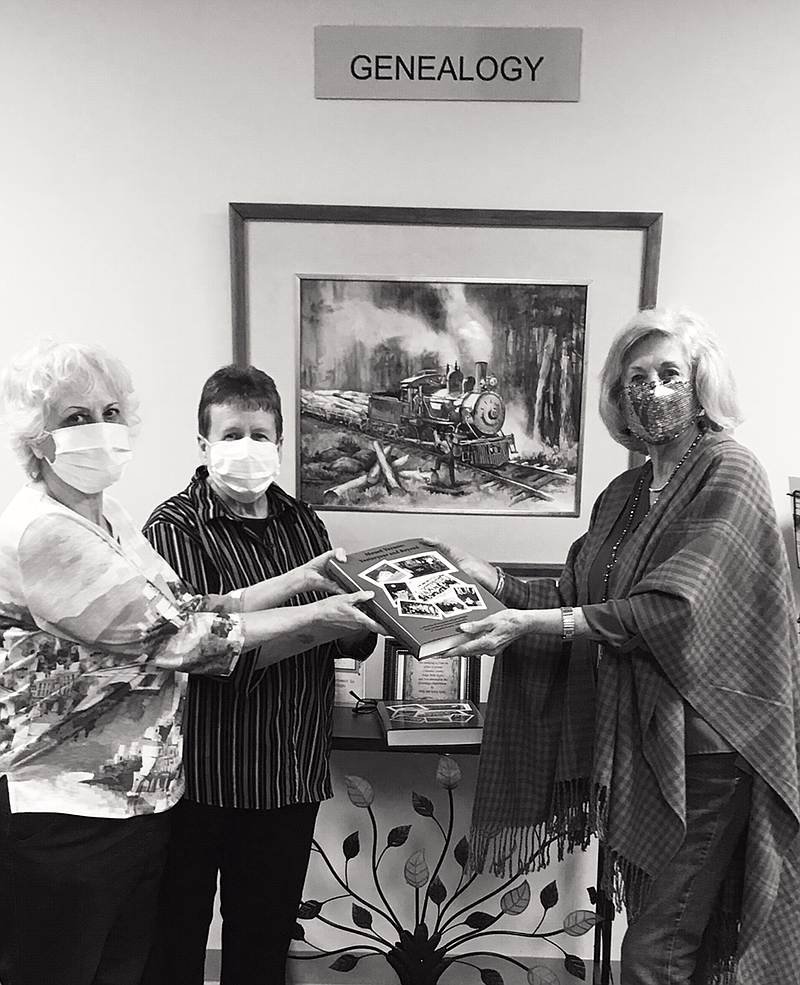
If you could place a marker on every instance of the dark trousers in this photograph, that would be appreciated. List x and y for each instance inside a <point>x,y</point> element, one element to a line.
<point>663,947</point>
<point>261,857</point>
<point>78,896</point>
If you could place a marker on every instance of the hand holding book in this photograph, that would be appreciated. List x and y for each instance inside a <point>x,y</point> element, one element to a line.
<point>489,636</point>
<point>344,612</point>
<point>493,634</point>
<point>420,596</point>
<point>481,571</point>
<point>312,576</point>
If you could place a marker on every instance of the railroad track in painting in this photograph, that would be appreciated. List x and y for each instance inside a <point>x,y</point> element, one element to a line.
<point>526,481</point>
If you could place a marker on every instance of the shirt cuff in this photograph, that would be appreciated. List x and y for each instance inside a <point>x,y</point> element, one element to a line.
<point>514,594</point>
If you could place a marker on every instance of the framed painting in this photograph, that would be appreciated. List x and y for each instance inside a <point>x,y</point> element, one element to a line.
<point>443,679</point>
<point>439,367</point>
<point>440,397</point>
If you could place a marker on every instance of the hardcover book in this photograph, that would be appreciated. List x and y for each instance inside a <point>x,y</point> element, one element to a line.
<point>430,723</point>
<point>421,597</point>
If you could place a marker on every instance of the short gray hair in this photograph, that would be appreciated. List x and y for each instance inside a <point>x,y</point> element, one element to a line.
<point>714,383</point>
<point>32,383</point>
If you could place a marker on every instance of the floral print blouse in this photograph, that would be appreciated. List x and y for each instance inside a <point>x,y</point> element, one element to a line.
<point>97,635</point>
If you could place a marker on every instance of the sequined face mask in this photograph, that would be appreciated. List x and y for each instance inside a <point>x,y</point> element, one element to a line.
<point>659,412</point>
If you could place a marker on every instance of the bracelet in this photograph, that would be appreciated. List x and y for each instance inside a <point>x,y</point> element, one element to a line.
<point>567,624</point>
<point>501,581</point>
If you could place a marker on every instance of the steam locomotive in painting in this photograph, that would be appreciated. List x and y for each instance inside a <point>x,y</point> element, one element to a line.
<point>459,415</point>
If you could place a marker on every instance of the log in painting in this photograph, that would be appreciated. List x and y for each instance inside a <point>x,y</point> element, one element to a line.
<point>441,396</point>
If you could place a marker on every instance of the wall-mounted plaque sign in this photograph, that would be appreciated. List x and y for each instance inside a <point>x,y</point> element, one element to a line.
<point>467,63</point>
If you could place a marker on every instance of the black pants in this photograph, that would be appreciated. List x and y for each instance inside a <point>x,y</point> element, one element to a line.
<point>77,896</point>
<point>261,857</point>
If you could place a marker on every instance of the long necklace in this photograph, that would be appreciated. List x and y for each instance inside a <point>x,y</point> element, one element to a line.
<point>657,491</point>
<point>639,486</point>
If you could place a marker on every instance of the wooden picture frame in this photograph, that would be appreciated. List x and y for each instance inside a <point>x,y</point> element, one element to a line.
<point>273,246</point>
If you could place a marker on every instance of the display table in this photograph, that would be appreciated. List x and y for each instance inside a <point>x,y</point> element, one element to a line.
<point>363,732</point>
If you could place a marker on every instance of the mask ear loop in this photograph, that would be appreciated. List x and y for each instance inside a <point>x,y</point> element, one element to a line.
<point>203,444</point>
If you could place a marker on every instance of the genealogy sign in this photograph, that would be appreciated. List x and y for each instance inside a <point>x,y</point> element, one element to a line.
<point>470,63</point>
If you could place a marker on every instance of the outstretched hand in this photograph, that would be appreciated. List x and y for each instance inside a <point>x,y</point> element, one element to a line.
<point>478,569</point>
<point>344,613</point>
<point>489,636</point>
<point>315,573</point>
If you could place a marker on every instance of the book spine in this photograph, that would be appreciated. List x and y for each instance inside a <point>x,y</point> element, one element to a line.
<point>345,579</point>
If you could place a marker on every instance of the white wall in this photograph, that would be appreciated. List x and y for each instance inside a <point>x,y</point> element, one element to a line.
<point>128,125</point>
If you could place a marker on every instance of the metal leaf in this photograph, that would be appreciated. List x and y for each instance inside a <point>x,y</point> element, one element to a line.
<point>398,836</point>
<point>539,975</point>
<point>351,846</point>
<point>309,909</point>
<point>516,900</point>
<point>437,891</point>
<point>359,791</point>
<point>361,917</point>
<point>491,977</point>
<point>416,870</point>
<point>575,966</point>
<point>549,895</point>
<point>580,922</point>
<point>448,773</point>
<point>421,804</point>
<point>346,962</point>
<point>461,852</point>
<point>480,920</point>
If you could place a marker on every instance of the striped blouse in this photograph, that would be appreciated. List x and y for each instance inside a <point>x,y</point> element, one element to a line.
<point>261,739</point>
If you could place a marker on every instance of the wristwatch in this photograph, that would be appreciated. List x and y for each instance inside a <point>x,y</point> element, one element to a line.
<point>567,624</point>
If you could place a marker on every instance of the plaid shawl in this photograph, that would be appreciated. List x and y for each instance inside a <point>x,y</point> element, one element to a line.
<point>565,755</point>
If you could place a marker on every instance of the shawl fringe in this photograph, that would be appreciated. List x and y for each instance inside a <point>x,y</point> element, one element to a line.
<point>517,849</point>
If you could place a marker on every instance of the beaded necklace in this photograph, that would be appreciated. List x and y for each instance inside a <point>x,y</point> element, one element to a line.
<point>639,486</point>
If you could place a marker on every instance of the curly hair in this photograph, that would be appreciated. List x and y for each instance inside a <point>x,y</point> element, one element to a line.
<point>714,383</point>
<point>33,382</point>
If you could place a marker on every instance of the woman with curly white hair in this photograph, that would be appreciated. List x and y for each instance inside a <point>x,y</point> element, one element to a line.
<point>95,625</point>
<point>650,696</point>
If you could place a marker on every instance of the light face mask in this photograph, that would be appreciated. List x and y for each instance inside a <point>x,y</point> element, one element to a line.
<point>244,468</point>
<point>90,457</point>
<point>659,412</point>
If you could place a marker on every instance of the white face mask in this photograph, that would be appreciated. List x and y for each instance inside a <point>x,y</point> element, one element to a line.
<point>244,468</point>
<point>90,457</point>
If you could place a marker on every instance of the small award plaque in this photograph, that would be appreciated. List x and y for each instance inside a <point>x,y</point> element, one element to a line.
<point>436,679</point>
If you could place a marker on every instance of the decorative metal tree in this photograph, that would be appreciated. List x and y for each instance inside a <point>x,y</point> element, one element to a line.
<point>445,925</point>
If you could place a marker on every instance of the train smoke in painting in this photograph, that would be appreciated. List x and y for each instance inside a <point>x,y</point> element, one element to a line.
<point>465,322</point>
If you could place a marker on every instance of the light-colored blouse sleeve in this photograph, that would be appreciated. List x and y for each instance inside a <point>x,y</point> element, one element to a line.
<point>80,586</point>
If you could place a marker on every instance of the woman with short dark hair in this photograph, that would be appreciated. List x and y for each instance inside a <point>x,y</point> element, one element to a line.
<point>94,624</point>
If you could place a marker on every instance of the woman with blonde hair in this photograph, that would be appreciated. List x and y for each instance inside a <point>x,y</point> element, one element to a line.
<point>95,626</point>
<point>650,696</point>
